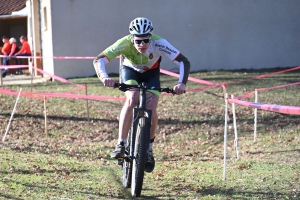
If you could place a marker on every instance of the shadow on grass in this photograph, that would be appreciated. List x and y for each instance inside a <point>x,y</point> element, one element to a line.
<point>53,117</point>
<point>10,197</point>
<point>274,152</point>
<point>55,188</point>
<point>274,121</point>
<point>267,121</point>
<point>80,189</point>
<point>44,171</point>
<point>210,190</point>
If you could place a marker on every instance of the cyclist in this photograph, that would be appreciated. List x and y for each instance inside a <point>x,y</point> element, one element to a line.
<point>142,51</point>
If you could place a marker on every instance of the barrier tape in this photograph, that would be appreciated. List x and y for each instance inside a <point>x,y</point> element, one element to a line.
<point>80,96</point>
<point>43,72</point>
<point>202,88</point>
<point>59,78</point>
<point>81,87</point>
<point>36,94</point>
<point>23,94</point>
<point>13,66</point>
<point>263,76</point>
<point>292,110</point>
<point>189,78</point>
<point>265,89</point>
<point>54,57</point>
<point>41,95</point>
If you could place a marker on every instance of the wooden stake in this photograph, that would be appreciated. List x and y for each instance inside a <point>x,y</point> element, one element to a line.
<point>87,104</point>
<point>45,114</point>
<point>31,83</point>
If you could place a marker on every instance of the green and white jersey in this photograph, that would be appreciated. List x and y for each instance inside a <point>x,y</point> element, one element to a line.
<point>141,62</point>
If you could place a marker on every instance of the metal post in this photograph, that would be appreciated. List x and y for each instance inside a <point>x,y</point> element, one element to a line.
<point>255,117</point>
<point>225,137</point>
<point>12,114</point>
<point>236,146</point>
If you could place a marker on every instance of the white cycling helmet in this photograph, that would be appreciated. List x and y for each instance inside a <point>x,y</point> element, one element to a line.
<point>12,40</point>
<point>140,26</point>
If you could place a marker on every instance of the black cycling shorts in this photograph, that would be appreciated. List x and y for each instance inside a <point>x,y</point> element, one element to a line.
<point>151,77</point>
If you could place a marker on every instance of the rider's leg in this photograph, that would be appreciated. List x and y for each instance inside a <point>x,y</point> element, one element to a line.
<point>152,105</point>
<point>125,122</point>
<point>126,114</point>
<point>128,76</point>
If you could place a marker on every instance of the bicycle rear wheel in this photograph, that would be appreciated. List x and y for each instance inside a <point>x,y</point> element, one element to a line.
<point>127,164</point>
<point>140,152</point>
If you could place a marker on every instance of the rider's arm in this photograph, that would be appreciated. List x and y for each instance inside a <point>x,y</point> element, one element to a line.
<point>99,65</point>
<point>163,47</point>
<point>184,68</point>
<point>109,54</point>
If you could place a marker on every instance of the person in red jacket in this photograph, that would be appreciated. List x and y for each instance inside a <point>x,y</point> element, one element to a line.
<point>5,51</point>
<point>24,51</point>
<point>14,46</point>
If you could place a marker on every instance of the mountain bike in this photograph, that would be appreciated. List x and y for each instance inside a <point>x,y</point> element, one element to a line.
<point>138,139</point>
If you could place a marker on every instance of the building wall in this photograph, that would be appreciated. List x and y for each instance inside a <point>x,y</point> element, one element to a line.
<point>46,37</point>
<point>213,34</point>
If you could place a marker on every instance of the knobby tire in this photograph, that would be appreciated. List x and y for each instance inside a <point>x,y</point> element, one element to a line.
<point>140,153</point>
<point>127,165</point>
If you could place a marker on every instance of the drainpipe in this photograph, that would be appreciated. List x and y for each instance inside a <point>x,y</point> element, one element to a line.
<point>40,31</point>
<point>30,32</point>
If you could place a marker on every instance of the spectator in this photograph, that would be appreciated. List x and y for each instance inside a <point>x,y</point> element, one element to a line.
<point>14,46</point>
<point>24,51</point>
<point>5,51</point>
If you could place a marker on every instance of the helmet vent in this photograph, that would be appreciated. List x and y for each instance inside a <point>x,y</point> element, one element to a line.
<point>140,26</point>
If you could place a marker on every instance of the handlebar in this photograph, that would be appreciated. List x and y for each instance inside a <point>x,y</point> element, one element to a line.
<point>125,87</point>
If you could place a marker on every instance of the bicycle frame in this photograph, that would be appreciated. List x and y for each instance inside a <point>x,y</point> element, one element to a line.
<point>138,112</point>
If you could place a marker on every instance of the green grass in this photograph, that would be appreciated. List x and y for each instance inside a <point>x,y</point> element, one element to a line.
<point>72,161</point>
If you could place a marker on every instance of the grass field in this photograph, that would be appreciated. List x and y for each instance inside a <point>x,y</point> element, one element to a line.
<point>72,160</point>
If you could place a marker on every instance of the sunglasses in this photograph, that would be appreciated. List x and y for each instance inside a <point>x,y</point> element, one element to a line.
<point>145,41</point>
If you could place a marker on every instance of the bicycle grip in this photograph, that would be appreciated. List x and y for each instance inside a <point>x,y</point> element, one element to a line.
<point>116,85</point>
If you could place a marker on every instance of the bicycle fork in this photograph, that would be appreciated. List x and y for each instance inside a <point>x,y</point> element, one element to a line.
<point>138,113</point>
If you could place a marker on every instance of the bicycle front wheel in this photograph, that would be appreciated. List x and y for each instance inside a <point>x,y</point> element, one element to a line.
<point>127,164</point>
<point>140,153</point>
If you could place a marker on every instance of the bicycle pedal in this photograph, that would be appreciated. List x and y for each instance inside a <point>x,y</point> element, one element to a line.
<point>120,161</point>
